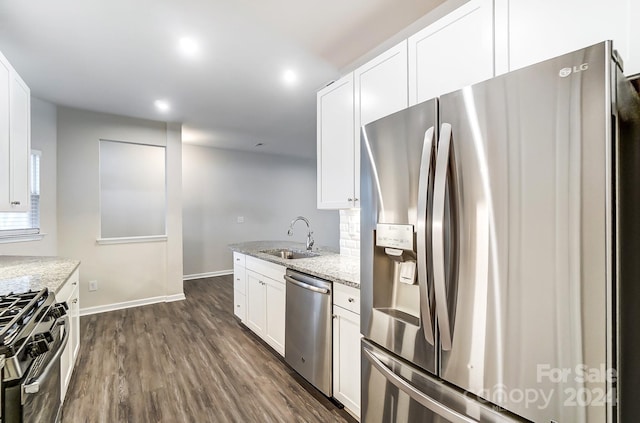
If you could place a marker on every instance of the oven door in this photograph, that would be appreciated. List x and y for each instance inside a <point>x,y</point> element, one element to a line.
<point>41,388</point>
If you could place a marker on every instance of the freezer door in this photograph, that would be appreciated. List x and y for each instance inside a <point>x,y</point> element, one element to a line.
<point>521,238</point>
<point>393,391</point>
<point>398,152</point>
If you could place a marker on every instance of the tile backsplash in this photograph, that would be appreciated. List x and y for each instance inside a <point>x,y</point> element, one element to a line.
<point>350,232</point>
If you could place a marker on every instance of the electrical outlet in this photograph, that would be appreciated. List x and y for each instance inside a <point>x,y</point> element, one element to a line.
<point>93,285</point>
<point>240,219</point>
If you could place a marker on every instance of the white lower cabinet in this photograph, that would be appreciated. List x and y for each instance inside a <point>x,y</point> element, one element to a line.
<point>256,303</point>
<point>70,293</point>
<point>275,314</point>
<point>346,348</point>
<point>239,287</point>
<point>265,312</point>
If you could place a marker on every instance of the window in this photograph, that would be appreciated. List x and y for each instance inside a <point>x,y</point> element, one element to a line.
<point>132,190</point>
<point>20,224</point>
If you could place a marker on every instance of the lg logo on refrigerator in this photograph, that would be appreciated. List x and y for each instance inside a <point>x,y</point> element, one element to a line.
<point>564,72</point>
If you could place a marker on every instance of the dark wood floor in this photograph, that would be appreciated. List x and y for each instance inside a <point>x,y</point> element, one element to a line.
<point>186,361</point>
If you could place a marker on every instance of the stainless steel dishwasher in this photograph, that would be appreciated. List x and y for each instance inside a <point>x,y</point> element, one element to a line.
<point>308,330</point>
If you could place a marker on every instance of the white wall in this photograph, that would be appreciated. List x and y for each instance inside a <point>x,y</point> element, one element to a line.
<point>267,190</point>
<point>43,138</point>
<point>126,273</point>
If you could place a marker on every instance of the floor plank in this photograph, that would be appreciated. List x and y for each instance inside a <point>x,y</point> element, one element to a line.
<point>186,361</point>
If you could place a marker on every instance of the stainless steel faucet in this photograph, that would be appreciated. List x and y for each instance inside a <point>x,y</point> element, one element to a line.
<point>309,238</point>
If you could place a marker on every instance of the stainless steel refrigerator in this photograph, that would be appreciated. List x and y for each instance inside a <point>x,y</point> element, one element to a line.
<point>500,250</point>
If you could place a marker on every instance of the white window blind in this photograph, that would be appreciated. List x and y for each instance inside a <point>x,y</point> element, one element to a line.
<point>15,224</point>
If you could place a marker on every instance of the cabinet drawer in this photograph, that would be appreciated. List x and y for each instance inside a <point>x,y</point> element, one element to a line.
<point>238,259</point>
<point>239,278</point>
<point>266,268</point>
<point>239,305</point>
<point>67,289</point>
<point>346,297</point>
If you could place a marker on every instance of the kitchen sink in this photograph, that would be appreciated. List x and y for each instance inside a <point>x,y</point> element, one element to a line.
<point>286,253</point>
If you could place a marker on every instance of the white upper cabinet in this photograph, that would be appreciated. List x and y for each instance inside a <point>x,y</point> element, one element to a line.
<point>539,30</point>
<point>380,90</point>
<point>453,52</point>
<point>336,146</point>
<point>15,139</point>
<point>381,86</point>
<point>5,78</point>
<point>20,140</point>
<point>372,91</point>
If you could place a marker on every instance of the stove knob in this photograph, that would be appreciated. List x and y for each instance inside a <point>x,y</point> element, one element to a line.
<point>37,347</point>
<point>47,336</point>
<point>58,310</point>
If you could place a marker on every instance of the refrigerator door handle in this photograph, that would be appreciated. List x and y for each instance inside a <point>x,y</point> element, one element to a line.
<point>415,394</point>
<point>438,235</point>
<point>421,228</point>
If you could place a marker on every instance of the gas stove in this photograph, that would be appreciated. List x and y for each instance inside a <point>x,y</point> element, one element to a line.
<point>32,337</point>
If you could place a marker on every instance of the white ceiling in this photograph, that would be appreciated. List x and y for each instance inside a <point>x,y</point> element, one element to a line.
<point>119,56</point>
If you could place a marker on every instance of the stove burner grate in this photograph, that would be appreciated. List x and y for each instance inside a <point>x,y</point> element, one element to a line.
<point>16,310</point>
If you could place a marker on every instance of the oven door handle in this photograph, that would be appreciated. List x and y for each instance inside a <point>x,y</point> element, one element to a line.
<point>34,385</point>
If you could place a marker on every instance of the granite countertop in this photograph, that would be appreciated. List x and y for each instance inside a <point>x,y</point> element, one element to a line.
<point>328,265</point>
<point>24,273</point>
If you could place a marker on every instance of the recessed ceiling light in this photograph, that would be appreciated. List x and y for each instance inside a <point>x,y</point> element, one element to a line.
<point>290,77</point>
<point>188,46</point>
<point>162,105</point>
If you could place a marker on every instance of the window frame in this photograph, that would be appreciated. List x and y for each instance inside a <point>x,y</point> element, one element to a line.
<point>100,240</point>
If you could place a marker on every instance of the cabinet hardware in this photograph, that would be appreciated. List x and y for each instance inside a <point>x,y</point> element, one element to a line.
<point>15,203</point>
<point>335,316</point>
<point>349,199</point>
<point>355,199</point>
<point>75,301</point>
<point>351,300</point>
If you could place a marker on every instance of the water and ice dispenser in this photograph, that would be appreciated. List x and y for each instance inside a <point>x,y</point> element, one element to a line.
<point>395,272</point>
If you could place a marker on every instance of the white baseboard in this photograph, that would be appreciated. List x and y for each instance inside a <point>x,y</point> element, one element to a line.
<point>174,297</point>
<point>129,304</point>
<point>207,275</point>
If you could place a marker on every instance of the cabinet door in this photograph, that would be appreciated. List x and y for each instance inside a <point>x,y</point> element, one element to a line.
<point>74,317</point>
<point>5,72</point>
<point>256,303</point>
<point>544,29</point>
<point>453,52</point>
<point>346,358</point>
<point>20,138</point>
<point>239,305</point>
<point>336,155</point>
<point>380,89</point>
<point>381,86</point>
<point>239,279</point>
<point>70,294</point>
<point>275,304</point>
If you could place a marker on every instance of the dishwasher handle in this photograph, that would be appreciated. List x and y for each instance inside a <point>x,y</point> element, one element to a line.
<point>306,286</point>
